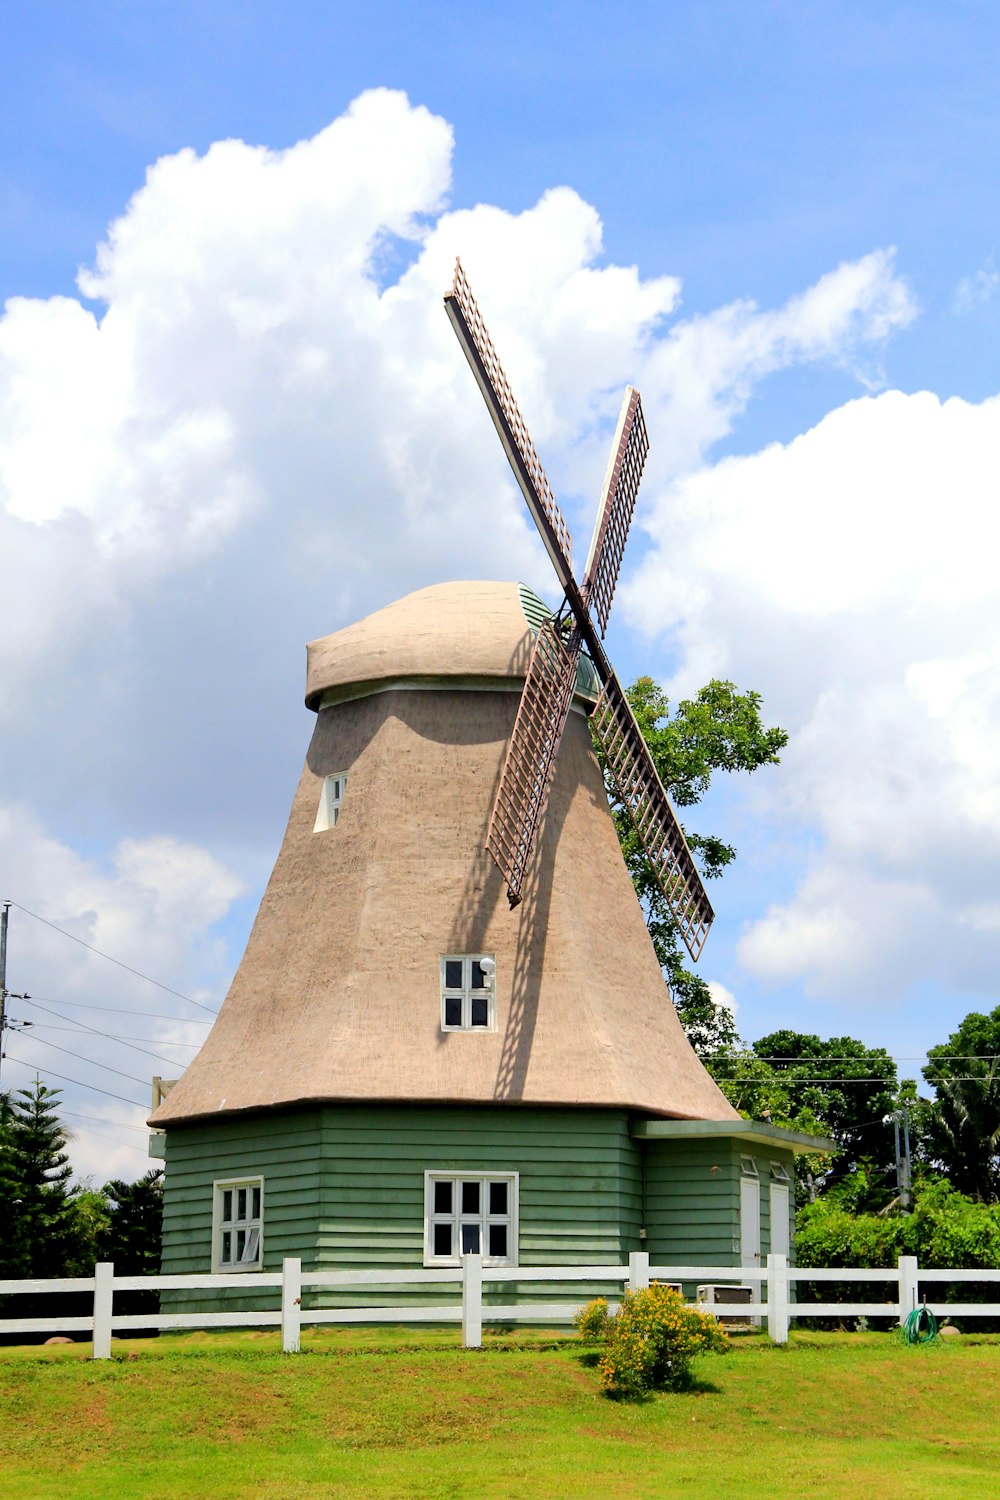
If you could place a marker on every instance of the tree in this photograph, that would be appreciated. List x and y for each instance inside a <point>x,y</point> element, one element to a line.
<point>133,1233</point>
<point>719,729</point>
<point>960,1128</point>
<point>40,1203</point>
<point>849,1088</point>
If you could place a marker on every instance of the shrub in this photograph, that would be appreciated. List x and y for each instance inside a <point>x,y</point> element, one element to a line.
<point>650,1342</point>
<point>593,1321</point>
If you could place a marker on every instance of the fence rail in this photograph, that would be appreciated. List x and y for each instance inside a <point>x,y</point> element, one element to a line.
<point>772,1302</point>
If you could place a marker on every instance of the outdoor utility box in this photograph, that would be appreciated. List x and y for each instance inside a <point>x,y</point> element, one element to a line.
<point>718,1295</point>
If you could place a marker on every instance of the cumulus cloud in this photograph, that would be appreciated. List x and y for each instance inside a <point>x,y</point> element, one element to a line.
<point>152,906</point>
<point>255,424</point>
<point>850,576</point>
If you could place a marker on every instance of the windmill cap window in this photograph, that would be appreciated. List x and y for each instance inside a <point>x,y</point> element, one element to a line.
<point>330,798</point>
<point>468,992</point>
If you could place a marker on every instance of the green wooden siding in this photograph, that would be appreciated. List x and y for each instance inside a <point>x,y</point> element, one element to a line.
<point>344,1186</point>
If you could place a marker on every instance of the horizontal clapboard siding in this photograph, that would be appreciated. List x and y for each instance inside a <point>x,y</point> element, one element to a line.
<point>344,1187</point>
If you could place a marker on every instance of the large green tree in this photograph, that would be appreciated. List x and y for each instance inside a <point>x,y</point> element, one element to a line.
<point>37,1203</point>
<point>719,729</point>
<point>960,1128</point>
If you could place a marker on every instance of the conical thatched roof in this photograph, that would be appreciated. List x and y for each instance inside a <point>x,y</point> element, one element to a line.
<point>338,994</point>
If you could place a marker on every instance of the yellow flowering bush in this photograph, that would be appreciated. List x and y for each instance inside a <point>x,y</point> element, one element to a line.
<point>650,1342</point>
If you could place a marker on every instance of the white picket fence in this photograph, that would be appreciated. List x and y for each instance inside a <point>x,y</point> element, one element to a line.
<point>773,1284</point>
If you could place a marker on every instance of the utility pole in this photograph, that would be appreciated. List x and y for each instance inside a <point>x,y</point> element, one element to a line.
<point>902,1156</point>
<point>5,993</point>
<point>3,975</point>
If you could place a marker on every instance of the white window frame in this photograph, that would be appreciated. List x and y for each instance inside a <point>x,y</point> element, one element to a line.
<point>484,1218</point>
<point>779,1172</point>
<point>330,801</point>
<point>748,1167</point>
<point>252,1224</point>
<point>464,992</point>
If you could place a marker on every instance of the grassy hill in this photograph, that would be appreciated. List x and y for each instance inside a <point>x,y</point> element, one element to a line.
<point>401,1413</point>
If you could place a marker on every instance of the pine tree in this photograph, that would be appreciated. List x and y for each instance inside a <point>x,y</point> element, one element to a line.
<point>36,1184</point>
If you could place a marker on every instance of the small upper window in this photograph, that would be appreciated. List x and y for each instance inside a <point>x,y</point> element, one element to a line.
<point>748,1166</point>
<point>468,995</point>
<point>330,799</point>
<point>780,1172</point>
<point>239,1221</point>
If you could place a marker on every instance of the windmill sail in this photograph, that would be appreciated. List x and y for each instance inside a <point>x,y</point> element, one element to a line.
<point>527,771</point>
<point>637,783</point>
<point>548,690</point>
<point>614,514</point>
<point>474,337</point>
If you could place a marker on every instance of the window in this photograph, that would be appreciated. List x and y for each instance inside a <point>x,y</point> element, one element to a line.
<point>330,799</point>
<point>748,1166</point>
<point>238,1225</point>
<point>471,1213</point>
<point>779,1172</point>
<point>468,996</point>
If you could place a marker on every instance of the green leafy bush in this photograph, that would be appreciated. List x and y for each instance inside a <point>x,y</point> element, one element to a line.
<point>650,1342</point>
<point>593,1321</point>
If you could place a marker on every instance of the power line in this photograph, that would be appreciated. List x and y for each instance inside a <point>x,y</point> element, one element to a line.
<point>111,1037</point>
<point>79,1082</point>
<point>128,1145</point>
<point>128,1010</point>
<point>105,1067</point>
<point>95,1032</point>
<point>91,949</point>
<point>784,1079</point>
<point>96,1120</point>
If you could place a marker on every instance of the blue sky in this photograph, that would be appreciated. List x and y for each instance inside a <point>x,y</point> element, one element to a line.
<point>804,199</point>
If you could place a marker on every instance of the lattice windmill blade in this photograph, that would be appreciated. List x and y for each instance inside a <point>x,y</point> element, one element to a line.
<point>614,514</point>
<point>642,792</point>
<point>527,771</point>
<point>474,337</point>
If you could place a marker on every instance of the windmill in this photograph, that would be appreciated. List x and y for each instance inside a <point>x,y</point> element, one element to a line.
<point>581,622</point>
<point>402,1067</point>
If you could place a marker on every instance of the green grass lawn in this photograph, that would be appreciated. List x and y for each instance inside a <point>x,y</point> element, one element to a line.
<point>396,1412</point>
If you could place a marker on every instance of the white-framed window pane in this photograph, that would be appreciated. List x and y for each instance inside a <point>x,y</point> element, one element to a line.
<point>470,1213</point>
<point>443,1239</point>
<point>330,800</point>
<point>496,1247</point>
<point>468,992</point>
<point>238,1221</point>
<point>453,1010</point>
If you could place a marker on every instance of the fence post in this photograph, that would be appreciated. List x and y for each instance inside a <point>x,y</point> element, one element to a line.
<point>472,1301</point>
<point>104,1292</point>
<point>291,1303</point>
<point>638,1270</point>
<point>908,1277</point>
<point>777,1298</point>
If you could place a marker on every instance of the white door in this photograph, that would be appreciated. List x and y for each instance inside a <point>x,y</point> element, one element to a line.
<point>749,1222</point>
<point>779,1219</point>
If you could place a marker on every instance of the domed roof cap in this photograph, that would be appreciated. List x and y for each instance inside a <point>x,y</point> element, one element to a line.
<point>474,631</point>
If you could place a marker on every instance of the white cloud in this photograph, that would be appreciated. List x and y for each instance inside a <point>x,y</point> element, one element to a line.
<point>152,906</point>
<point>255,425</point>
<point>722,998</point>
<point>851,576</point>
<point>976,291</point>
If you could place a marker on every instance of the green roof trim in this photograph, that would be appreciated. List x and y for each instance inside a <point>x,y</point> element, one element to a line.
<point>536,612</point>
<point>761,1132</point>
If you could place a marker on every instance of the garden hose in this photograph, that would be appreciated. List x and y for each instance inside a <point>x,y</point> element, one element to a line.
<point>920,1327</point>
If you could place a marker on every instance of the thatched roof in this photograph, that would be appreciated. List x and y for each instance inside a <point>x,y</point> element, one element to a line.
<point>338,994</point>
